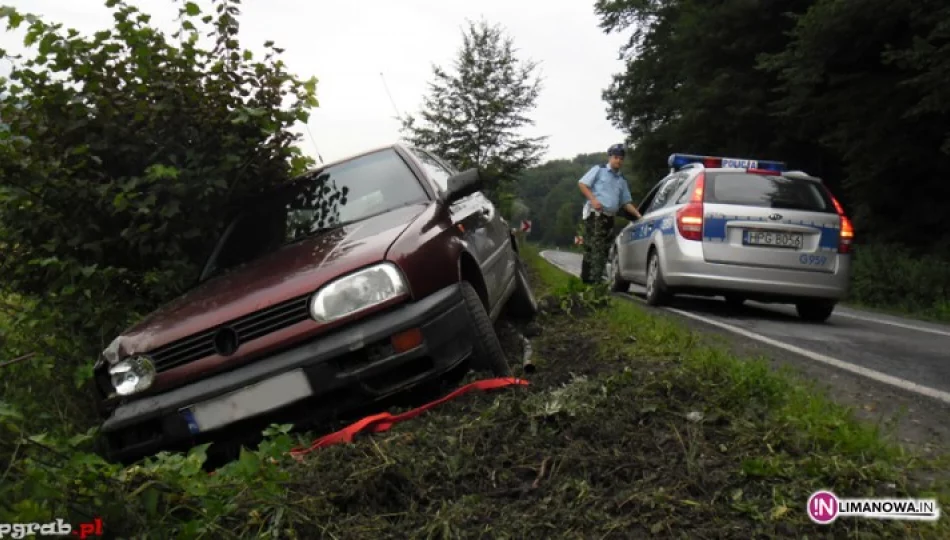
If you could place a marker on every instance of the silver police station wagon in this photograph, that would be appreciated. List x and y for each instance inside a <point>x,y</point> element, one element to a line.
<point>738,228</point>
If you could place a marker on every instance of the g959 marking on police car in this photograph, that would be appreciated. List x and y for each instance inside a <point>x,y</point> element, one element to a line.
<point>813,260</point>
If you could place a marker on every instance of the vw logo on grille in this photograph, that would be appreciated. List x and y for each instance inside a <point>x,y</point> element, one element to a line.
<point>226,341</point>
<point>775,217</point>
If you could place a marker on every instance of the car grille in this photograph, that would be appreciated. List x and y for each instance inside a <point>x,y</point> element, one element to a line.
<point>248,328</point>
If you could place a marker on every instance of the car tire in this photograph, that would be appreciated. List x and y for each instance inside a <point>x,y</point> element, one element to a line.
<point>487,353</point>
<point>522,305</point>
<point>617,283</point>
<point>815,310</point>
<point>657,293</point>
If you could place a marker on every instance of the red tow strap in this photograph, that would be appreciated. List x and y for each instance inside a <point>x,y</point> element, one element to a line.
<point>384,421</point>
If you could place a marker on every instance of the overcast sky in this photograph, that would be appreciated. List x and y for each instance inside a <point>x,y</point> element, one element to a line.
<point>347,45</point>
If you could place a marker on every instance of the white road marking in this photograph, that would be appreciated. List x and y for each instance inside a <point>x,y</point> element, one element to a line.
<point>894,323</point>
<point>840,364</point>
<point>859,370</point>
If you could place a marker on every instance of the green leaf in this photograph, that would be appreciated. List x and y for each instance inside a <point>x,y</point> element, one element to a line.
<point>79,439</point>
<point>39,438</point>
<point>192,9</point>
<point>150,501</point>
<point>249,463</point>
<point>8,411</point>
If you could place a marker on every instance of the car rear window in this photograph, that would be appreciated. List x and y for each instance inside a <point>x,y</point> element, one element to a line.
<point>767,191</point>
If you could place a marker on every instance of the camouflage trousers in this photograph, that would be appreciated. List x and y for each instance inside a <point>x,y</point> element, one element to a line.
<point>598,231</point>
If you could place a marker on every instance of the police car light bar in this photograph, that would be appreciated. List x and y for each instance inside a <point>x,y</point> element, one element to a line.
<point>677,161</point>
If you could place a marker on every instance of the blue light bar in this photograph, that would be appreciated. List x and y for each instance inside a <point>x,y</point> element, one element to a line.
<point>677,161</point>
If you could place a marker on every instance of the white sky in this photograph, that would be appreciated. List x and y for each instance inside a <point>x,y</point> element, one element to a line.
<point>346,45</point>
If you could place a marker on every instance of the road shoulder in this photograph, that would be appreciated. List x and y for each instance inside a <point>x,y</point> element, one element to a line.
<point>910,420</point>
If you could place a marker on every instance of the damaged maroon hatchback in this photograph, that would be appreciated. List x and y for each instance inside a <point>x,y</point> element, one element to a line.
<point>357,281</point>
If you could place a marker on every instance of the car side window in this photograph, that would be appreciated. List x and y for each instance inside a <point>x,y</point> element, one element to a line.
<point>685,190</point>
<point>648,200</point>
<point>433,169</point>
<point>445,163</point>
<point>663,193</point>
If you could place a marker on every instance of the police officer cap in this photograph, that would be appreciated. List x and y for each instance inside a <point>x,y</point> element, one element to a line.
<point>616,150</point>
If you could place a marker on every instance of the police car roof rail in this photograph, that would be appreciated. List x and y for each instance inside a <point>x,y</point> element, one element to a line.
<point>800,174</point>
<point>687,166</point>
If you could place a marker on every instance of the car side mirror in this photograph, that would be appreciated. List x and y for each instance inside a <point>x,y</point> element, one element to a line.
<point>462,184</point>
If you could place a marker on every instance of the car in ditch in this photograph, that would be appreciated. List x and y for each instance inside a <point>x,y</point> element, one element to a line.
<point>359,280</point>
<point>739,228</point>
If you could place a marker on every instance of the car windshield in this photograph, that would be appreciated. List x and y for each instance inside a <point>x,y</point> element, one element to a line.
<point>335,196</point>
<point>767,191</point>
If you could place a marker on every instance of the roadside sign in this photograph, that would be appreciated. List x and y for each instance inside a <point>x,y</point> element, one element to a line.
<point>526,226</point>
<point>578,240</point>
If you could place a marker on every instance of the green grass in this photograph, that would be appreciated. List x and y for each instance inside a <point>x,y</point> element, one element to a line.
<point>788,430</point>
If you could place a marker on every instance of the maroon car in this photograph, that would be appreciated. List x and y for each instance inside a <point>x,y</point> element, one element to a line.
<point>354,282</point>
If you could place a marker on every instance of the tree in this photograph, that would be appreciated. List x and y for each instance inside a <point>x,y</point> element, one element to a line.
<point>473,115</point>
<point>690,82</point>
<point>120,155</point>
<point>869,83</point>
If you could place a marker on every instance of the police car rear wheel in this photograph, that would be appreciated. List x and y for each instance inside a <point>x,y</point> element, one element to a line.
<point>815,310</point>
<point>618,284</point>
<point>656,287</point>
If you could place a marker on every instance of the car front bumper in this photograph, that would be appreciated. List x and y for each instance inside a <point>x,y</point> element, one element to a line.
<point>353,366</point>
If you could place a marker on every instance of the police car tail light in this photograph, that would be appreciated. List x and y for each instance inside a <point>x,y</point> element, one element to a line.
<point>846,236</point>
<point>689,219</point>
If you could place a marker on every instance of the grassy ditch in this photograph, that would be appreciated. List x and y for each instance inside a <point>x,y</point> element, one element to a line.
<point>630,428</point>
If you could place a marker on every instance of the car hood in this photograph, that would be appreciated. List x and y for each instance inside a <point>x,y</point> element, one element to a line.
<point>294,270</point>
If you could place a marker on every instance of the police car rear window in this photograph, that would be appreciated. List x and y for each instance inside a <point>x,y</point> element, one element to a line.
<point>766,191</point>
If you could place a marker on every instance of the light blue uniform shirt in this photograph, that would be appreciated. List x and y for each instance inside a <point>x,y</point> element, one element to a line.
<point>609,187</point>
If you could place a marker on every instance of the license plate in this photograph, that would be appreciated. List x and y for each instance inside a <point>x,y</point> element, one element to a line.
<point>258,398</point>
<point>773,239</point>
<point>729,163</point>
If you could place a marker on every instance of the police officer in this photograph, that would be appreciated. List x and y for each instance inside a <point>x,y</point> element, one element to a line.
<point>606,191</point>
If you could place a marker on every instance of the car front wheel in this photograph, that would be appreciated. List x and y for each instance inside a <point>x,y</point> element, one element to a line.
<point>487,353</point>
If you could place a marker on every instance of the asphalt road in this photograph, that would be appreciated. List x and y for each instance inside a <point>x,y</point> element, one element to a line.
<point>905,354</point>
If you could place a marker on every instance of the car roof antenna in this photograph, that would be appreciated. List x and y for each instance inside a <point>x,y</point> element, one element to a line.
<point>314,142</point>
<point>391,100</point>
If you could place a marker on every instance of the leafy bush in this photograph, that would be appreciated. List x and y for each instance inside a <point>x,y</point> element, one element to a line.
<point>120,154</point>
<point>893,277</point>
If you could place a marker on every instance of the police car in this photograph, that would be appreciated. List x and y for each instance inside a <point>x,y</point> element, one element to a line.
<point>739,228</point>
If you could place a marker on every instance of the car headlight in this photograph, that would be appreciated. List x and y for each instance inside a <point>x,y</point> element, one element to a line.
<point>357,291</point>
<point>132,375</point>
